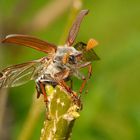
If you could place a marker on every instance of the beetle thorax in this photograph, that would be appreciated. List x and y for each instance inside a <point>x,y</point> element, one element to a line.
<point>65,50</point>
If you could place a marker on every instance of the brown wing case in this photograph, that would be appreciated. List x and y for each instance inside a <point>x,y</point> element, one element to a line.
<point>31,42</point>
<point>75,27</point>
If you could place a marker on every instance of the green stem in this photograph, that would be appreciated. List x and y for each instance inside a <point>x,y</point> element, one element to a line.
<point>61,114</point>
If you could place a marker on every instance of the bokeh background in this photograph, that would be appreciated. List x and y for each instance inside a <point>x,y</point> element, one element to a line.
<point>112,106</point>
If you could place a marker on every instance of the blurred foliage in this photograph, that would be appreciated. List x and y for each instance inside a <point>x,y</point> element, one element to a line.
<point>112,106</point>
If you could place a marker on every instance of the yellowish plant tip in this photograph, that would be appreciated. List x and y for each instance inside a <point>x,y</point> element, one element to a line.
<point>49,89</point>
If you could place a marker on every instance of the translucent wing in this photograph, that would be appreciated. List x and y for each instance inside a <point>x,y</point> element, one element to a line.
<point>19,74</point>
<point>31,42</point>
<point>88,55</point>
<point>75,27</point>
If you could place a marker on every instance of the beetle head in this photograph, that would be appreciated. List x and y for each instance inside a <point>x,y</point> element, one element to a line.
<point>67,55</point>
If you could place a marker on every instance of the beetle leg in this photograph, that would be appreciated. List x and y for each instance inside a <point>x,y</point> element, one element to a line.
<point>41,90</point>
<point>63,84</point>
<point>42,86</point>
<point>38,90</point>
<point>68,89</point>
<point>60,77</point>
<point>89,71</point>
<point>83,85</point>
<point>85,79</point>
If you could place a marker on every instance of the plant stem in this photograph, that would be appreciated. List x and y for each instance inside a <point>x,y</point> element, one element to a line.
<point>61,114</point>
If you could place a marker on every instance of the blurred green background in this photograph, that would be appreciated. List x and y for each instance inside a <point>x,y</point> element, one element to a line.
<point>112,106</point>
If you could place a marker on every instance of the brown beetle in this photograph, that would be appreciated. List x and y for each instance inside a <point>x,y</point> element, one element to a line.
<point>61,63</point>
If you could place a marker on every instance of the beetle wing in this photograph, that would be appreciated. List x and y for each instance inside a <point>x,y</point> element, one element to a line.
<point>88,55</point>
<point>75,27</point>
<point>19,74</point>
<point>31,42</point>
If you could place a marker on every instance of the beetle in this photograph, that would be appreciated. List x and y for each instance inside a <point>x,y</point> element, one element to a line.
<point>57,67</point>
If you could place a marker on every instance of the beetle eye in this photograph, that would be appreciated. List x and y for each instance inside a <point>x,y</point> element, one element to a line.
<point>72,59</point>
